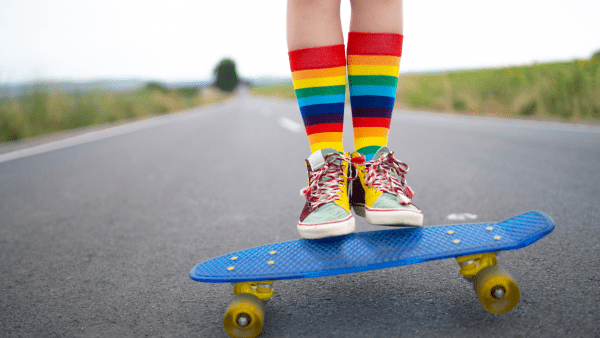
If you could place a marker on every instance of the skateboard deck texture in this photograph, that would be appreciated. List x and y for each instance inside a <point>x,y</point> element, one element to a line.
<point>372,250</point>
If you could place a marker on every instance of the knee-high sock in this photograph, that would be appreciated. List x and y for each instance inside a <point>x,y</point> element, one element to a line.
<point>373,65</point>
<point>319,76</point>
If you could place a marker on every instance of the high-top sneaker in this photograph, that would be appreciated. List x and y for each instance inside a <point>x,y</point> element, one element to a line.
<point>327,209</point>
<point>381,193</point>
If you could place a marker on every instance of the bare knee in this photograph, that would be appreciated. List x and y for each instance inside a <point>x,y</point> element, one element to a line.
<point>376,16</point>
<point>313,23</point>
<point>360,4</point>
<point>323,6</point>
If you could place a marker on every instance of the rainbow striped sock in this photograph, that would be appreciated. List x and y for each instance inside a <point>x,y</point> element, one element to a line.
<point>319,76</point>
<point>373,65</point>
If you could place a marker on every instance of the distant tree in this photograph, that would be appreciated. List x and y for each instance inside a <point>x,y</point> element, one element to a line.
<point>156,86</point>
<point>226,75</point>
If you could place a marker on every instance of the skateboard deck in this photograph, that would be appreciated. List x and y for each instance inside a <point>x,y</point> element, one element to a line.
<point>372,250</point>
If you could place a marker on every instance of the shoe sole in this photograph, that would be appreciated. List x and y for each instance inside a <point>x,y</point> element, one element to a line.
<point>389,216</point>
<point>329,229</point>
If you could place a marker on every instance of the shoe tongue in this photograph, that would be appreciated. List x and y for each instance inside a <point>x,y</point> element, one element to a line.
<point>317,159</point>
<point>382,150</point>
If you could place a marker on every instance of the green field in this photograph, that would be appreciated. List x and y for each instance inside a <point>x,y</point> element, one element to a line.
<point>45,110</point>
<point>567,91</point>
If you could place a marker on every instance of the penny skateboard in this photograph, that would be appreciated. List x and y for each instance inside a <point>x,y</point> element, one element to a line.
<point>473,245</point>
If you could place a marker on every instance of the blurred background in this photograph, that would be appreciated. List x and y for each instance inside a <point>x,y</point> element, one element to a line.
<point>98,233</point>
<point>68,64</point>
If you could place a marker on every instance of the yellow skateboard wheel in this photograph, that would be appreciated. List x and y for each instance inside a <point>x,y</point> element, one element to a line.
<point>244,316</point>
<point>496,289</point>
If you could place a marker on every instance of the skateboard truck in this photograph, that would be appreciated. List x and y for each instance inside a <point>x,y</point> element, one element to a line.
<point>262,290</point>
<point>497,291</point>
<point>470,265</point>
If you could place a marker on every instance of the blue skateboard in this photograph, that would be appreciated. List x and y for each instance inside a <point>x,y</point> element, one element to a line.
<point>473,245</point>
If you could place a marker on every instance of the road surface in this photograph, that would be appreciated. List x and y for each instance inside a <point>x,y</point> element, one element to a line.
<point>98,232</point>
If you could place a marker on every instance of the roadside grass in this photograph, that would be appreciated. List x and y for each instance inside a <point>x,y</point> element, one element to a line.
<point>282,90</point>
<point>568,91</point>
<point>44,110</point>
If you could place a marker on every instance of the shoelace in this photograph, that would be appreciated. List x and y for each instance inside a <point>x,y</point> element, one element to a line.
<point>383,173</point>
<point>326,182</point>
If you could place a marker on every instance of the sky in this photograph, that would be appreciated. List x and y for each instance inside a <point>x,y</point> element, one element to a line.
<point>183,40</point>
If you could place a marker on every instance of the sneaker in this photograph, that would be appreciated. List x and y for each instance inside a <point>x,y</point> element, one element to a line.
<point>327,209</point>
<point>381,193</point>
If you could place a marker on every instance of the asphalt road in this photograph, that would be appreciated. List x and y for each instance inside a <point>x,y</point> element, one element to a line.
<point>98,233</point>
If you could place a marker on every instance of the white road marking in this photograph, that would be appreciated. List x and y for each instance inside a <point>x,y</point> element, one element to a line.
<point>108,133</point>
<point>266,112</point>
<point>461,217</point>
<point>290,125</point>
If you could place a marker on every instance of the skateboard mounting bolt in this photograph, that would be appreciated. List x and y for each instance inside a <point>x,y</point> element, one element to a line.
<point>496,237</point>
<point>271,262</point>
<point>450,232</point>
<point>456,241</point>
<point>489,228</point>
<point>233,258</point>
<point>471,261</point>
<point>272,252</point>
<point>230,268</point>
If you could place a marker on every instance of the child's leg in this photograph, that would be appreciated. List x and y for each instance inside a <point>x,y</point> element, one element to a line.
<point>374,50</point>
<point>318,64</point>
<point>376,16</point>
<point>313,23</point>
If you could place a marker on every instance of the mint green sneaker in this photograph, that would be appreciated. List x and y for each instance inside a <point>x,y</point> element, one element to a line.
<point>381,194</point>
<point>327,209</point>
